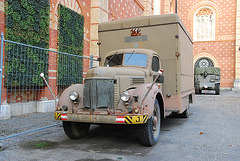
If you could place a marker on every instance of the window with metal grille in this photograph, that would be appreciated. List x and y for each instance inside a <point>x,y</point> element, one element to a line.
<point>204,25</point>
<point>203,62</point>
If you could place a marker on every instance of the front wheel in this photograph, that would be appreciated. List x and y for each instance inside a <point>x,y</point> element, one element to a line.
<point>149,132</point>
<point>75,130</point>
<point>198,90</point>
<point>217,89</point>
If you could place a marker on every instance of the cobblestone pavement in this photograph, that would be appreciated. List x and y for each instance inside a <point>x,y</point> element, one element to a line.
<point>211,133</point>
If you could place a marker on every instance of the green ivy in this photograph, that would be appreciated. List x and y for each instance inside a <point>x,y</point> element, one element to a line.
<point>27,21</point>
<point>70,40</point>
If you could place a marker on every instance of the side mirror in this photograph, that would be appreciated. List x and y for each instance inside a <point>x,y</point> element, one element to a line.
<point>160,78</point>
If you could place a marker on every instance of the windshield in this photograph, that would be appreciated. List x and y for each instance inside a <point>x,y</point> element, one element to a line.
<point>127,59</point>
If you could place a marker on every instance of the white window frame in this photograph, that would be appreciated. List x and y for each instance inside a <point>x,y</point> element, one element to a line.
<point>195,29</point>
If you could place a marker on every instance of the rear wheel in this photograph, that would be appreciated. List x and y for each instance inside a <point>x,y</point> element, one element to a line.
<point>149,132</point>
<point>75,130</point>
<point>217,89</point>
<point>185,114</point>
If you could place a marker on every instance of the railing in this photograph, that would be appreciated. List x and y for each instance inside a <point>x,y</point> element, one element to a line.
<point>23,92</point>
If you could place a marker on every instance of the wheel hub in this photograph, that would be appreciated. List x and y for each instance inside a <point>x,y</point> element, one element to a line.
<point>155,122</point>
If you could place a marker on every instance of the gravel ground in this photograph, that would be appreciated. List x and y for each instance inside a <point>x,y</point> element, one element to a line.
<point>24,123</point>
<point>211,133</point>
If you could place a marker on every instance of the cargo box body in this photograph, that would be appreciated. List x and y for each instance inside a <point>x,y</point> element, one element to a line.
<point>167,36</point>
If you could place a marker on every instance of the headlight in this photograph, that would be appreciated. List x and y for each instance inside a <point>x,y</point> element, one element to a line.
<point>73,96</point>
<point>125,96</point>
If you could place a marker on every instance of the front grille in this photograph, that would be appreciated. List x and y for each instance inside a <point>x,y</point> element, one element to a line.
<point>115,95</point>
<point>98,93</point>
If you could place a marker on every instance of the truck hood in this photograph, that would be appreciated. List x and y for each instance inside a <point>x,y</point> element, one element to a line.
<point>110,72</point>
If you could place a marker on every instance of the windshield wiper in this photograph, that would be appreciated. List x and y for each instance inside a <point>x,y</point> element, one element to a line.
<point>111,58</point>
<point>129,57</point>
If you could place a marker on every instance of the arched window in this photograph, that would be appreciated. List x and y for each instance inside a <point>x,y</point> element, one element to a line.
<point>204,25</point>
<point>204,62</point>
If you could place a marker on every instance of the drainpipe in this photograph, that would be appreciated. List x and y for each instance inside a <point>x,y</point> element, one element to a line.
<point>176,6</point>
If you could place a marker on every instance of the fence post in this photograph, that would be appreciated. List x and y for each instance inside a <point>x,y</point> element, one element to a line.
<point>91,62</point>
<point>1,67</point>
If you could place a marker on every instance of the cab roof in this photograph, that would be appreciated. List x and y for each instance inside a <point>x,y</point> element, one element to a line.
<point>133,50</point>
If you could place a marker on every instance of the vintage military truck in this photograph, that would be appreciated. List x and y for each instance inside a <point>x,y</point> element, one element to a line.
<point>207,78</point>
<point>130,87</point>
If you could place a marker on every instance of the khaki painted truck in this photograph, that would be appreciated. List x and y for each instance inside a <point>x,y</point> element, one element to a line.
<point>145,74</point>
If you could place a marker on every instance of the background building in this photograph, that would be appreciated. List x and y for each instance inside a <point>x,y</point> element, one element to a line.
<point>214,26</point>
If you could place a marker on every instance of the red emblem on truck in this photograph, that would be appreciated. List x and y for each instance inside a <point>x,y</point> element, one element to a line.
<point>136,32</point>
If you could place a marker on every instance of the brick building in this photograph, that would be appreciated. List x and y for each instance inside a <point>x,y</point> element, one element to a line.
<point>213,24</point>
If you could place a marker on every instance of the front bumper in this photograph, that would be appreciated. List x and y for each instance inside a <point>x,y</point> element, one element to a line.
<point>208,86</point>
<point>101,119</point>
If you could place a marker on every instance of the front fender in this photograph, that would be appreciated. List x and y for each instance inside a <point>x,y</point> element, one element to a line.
<point>137,103</point>
<point>64,99</point>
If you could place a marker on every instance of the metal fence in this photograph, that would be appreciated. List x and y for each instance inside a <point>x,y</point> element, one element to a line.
<point>26,101</point>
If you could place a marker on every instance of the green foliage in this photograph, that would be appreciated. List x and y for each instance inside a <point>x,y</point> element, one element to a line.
<point>42,145</point>
<point>24,13</point>
<point>70,40</point>
<point>27,21</point>
<point>16,16</point>
<point>24,3</point>
<point>16,6</point>
<point>30,10</point>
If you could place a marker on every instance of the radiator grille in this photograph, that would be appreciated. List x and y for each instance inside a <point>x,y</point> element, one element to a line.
<point>115,95</point>
<point>98,93</point>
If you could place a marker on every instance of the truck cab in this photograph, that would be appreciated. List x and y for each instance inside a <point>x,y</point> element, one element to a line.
<point>125,89</point>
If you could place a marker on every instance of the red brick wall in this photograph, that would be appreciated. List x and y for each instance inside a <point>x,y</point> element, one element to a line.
<point>162,7</point>
<point>223,48</point>
<point>20,95</point>
<point>224,51</point>
<point>125,9</point>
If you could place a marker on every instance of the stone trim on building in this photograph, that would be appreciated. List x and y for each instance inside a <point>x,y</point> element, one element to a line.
<point>207,55</point>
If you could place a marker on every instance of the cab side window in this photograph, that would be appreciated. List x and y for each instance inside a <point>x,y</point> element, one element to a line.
<point>155,64</point>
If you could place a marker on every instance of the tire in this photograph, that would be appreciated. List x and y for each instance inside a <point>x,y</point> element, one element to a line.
<point>197,90</point>
<point>185,114</point>
<point>217,89</point>
<point>149,132</point>
<point>75,130</point>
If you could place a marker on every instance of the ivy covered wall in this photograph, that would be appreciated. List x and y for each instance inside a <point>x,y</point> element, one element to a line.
<point>70,40</point>
<point>27,21</point>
